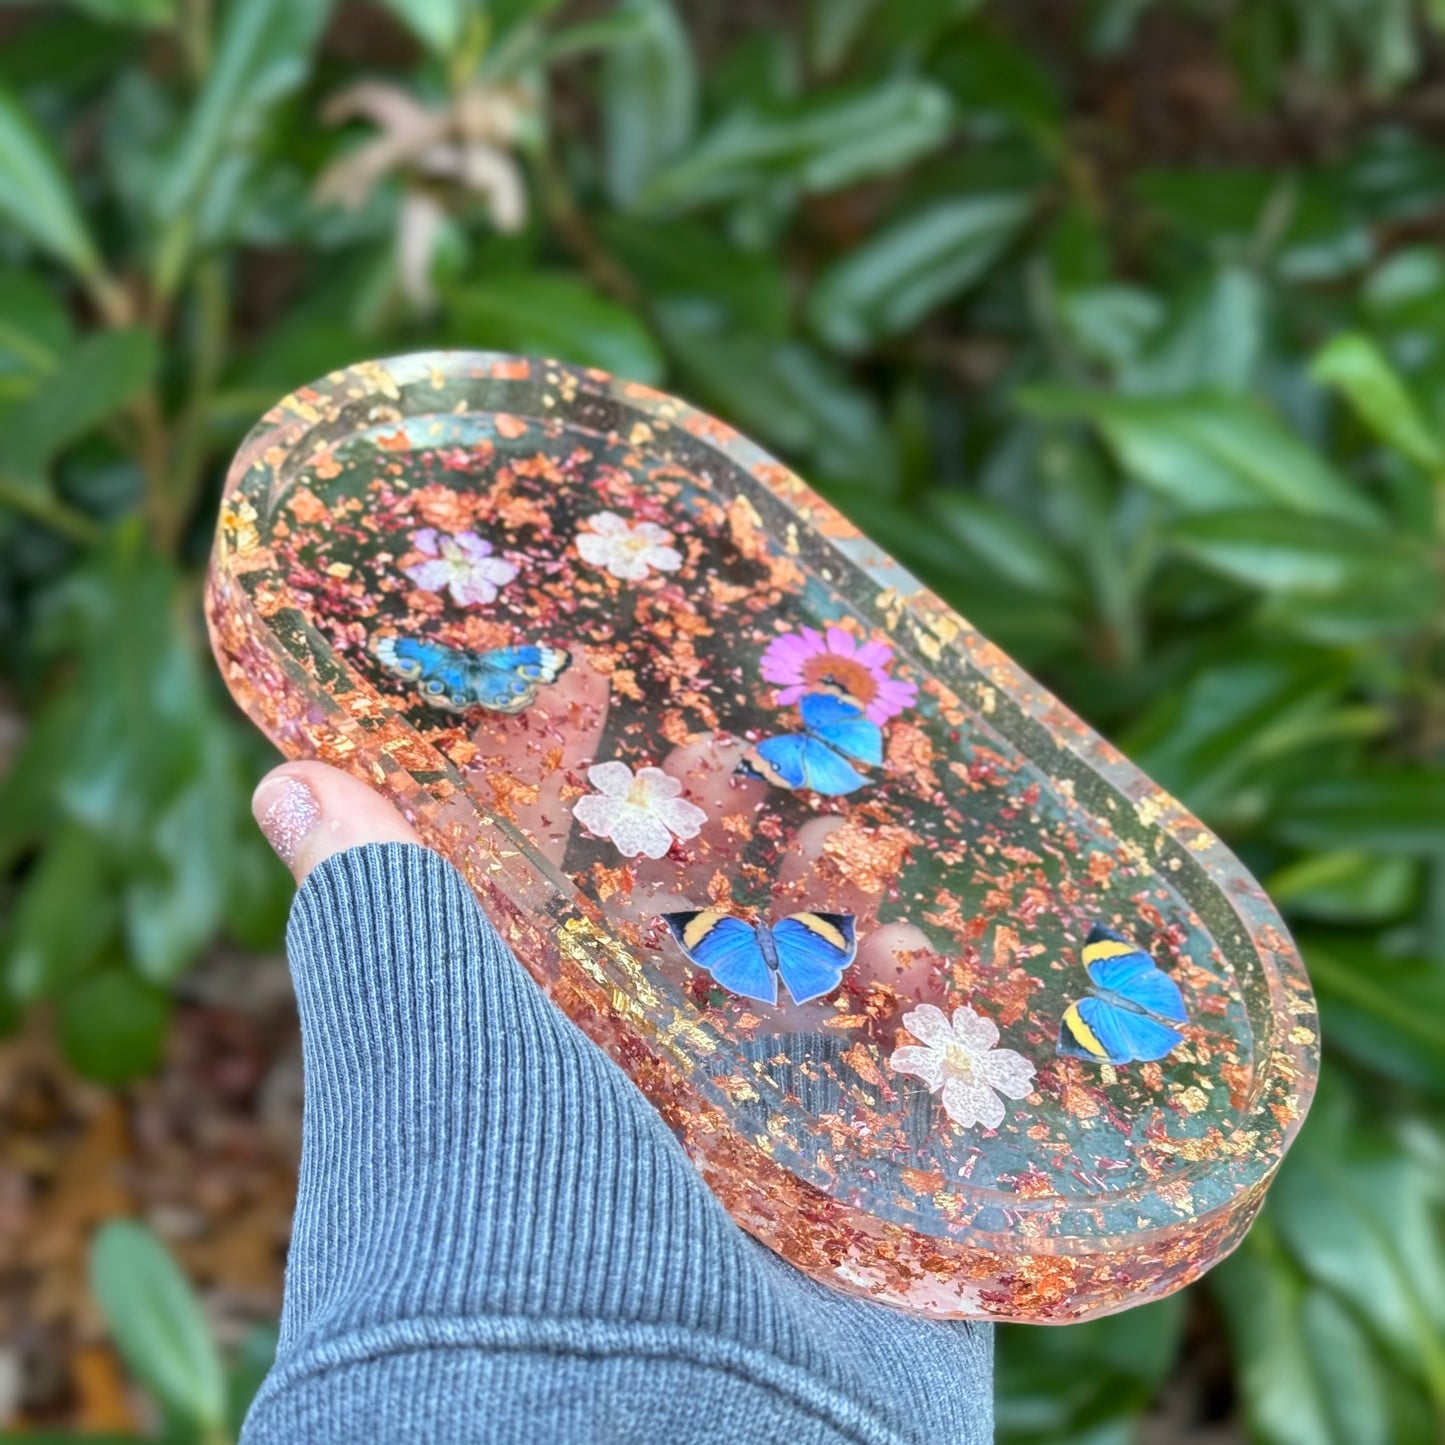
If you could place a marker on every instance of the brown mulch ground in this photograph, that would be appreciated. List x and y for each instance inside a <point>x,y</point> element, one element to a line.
<point>204,1151</point>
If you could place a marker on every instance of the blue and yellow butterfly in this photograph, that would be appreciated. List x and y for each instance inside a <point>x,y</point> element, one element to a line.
<point>1128,1016</point>
<point>808,950</point>
<point>505,679</point>
<point>834,731</point>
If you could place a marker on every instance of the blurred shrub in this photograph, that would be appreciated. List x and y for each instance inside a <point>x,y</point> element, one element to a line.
<point>1120,323</point>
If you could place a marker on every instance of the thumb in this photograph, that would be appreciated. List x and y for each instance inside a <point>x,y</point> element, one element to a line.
<point>308,811</point>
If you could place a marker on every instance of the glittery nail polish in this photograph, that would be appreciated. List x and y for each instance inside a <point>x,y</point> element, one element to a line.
<point>288,815</point>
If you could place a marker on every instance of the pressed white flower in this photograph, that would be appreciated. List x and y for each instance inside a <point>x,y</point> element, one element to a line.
<point>628,550</point>
<point>640,813</point>
<point>462,565</point>
<point>959,1057</point>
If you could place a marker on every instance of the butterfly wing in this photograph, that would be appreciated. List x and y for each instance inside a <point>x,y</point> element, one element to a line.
<point>445,677</point>
<point>504,680</point>
<point>813,950</point>
<point>795,760</point>
<point>1120,967</point>
<point>842,726</point>
<point>727,948</point>
<point>536,664</point>
<point>507,677</point>
<point>404,656</point>
<point>1104,1033</point>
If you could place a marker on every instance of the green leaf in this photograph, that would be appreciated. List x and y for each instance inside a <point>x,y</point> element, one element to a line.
<point>147,13</point>
<point>112,1025</point>
<point>1395,812</point>
<point>1386,1014</point>
<point>1088,1383</point>
<point>683,260</point>
<point>65,916</point>
<point>649,99</point>
<point>1355,366</point>
<point>820,144</point>
<point>915,264</point>
<point>35,194</point>
<point>157,1322</point>
<point>786,393</point>
<point>263,54</point>
<point>105,372</point>
<point>1305,1371</point>
<point>1003,544</point>
<point>1358,1216</point>
<point>553,314</point>
<point>438,24</point>
<point>833,27</point>
<point>1203,738</point>
<point>1311,555</point>
<point>1346,887</point>
<point>172,912</point>
<point>35,333</point>
<point>1210,453</point>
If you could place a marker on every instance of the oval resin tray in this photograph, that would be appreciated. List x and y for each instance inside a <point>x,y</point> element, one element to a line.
<point>951,1006</point>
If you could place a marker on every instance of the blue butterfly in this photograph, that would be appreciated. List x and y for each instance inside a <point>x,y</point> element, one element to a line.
<point>1122,1020</point>
<point>809,950</point>
<point>834,730</point>
<point>502,680</point>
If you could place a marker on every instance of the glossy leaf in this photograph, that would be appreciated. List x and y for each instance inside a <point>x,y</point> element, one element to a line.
<point>106,371</point>
<point>51,938</point>
<point>112,1025</point>
<point>1359,1220</point>
<point>687,261</point>
<point>1003,544</point>
<point>1211,453</point>
<point>821,145</point>
<point>35,333</point>
<point>649,98</point>
<point>1396,812</point>
<point>1305,1369</point>
<point>911,267</point>
<point>1355,366</point>
<point>36,197</point>
<point>1345,887</point>
<point>157,1323</point>
<point>555,315</point>
<point>438,24</point>
<point>1312,555</point>
<point>263,53</point>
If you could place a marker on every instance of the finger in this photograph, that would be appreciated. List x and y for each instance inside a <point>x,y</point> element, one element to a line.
<point>308,811</point>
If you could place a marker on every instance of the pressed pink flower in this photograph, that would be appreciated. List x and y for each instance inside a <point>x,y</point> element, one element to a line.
<point>836,661</point>
<point>958,1057</point>
<point>628,550</point>
<point>641,813</point>
<point>462,564</point>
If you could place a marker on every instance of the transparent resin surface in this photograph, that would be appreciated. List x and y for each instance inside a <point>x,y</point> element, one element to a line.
<point>949,1003</point>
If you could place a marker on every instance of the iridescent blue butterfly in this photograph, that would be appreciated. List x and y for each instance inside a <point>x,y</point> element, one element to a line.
<point>505,679</point>
<point>1128,1014</point>
<point>834,731</point>
<point>808,950</point>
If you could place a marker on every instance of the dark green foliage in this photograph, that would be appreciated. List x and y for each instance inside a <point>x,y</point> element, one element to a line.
<point>1152,391</point>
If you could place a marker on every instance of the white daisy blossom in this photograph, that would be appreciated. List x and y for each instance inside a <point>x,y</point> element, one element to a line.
<point>628,550</point>
<point>640,813</point>
<point>959,1057</point>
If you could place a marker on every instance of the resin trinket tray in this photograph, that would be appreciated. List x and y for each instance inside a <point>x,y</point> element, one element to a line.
<point>951,1006</point>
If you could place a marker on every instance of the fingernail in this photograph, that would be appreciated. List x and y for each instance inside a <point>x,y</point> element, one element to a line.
<point>287,812</point>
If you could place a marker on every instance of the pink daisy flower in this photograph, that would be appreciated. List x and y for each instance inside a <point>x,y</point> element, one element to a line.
<point>835,661</point>
<point>462,564</point>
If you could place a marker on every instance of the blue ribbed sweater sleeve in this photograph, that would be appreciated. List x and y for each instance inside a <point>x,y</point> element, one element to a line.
<point>498,1239</point>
